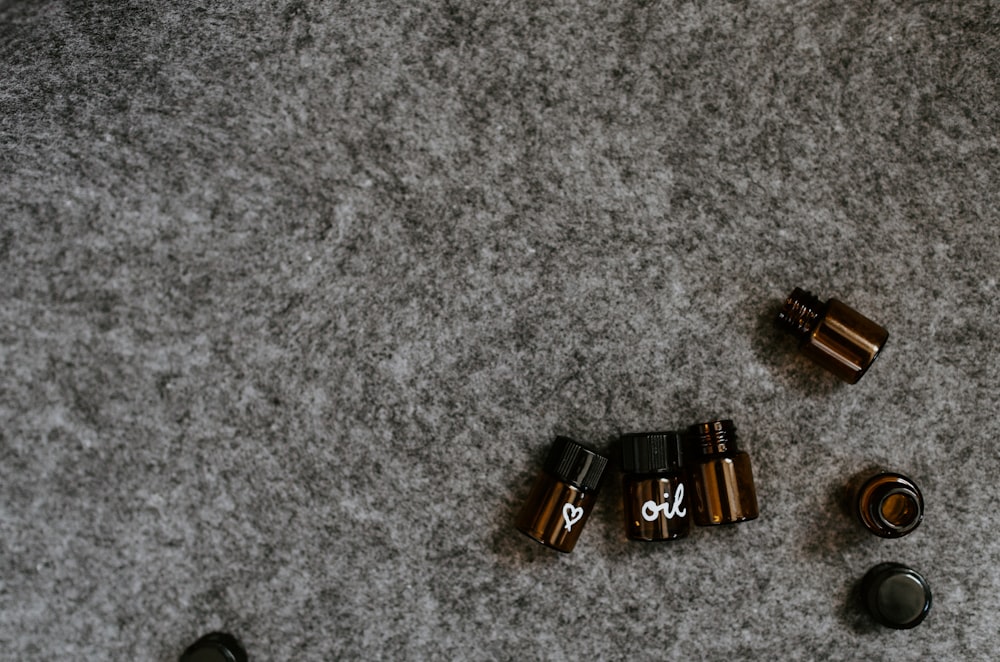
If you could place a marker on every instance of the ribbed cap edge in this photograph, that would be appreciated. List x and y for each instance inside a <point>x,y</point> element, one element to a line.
<point>652,452</point>
<point>575,464</point>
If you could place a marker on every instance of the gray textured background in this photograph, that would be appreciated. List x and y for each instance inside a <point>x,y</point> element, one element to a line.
<point>296,295</point>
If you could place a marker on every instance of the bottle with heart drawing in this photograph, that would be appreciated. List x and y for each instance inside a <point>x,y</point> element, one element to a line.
<point>563,495</point>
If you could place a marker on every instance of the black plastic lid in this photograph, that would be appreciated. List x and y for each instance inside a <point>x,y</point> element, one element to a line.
<point>652,452</point>
<point>215,647</point>
<point>575,464</point>
<point>713,438</point>
<point>896,596</point>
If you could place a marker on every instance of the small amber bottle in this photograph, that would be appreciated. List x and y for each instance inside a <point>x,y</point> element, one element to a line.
<point>721,477</point>
<point>889,505</point>
<point>896,596</point>
<point>655,507</point>
<point>563,495</point>
<point>833,334</point>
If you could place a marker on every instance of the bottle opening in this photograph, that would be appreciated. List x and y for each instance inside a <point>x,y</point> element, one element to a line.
<point>899,509</point>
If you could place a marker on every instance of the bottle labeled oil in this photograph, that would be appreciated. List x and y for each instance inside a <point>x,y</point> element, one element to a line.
<point>656,506</point>
<point>563,495</point>
<point>721,478</point>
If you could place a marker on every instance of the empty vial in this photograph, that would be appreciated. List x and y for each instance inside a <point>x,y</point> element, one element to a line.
<point>655,505</point>
<point>721,478</point>
<point>889,505</point>
<point>215,647</point>
<point>896,596</point>
<point>563,495</point>
<point>833,334</point>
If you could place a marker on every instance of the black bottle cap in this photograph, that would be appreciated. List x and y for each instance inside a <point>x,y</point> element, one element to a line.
<point>215,647</point>
<point>896,596</point>
<point>575,464</point>
<point>713,437</point>
<point>651,452</point>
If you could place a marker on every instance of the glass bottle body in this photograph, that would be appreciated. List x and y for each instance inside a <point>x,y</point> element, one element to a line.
<point>845,342</point>
<point>724,491</point>
<point>555,512</point>
<point>656,507</point>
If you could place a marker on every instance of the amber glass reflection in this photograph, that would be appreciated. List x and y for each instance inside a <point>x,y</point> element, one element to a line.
<point>656,508</point>
<point>555,513</point>
<point>890,505</point>
<point>724,490</point>
<point>845,342</point>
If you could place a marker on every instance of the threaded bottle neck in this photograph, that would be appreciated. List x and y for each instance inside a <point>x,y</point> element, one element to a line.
<point>713,438</point>
<point>800,313</point>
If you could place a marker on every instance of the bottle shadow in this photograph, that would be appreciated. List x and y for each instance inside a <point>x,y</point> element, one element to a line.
<point>510,547</point>
<point>778,350</point>
<point>834,533</point>
<point>836,528</point>
<point>854,615</point>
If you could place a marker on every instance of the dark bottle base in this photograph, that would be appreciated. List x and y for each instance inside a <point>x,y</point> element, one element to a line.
<point>215,647</point>
<point>896,596</point>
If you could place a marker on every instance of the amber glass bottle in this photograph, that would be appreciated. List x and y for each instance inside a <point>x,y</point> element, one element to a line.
<point>833,334</point>
<point>721,477</point>
<point>655,505</point>
<point>563,495</point>
<point>896,596</point>
<point>889,505</point>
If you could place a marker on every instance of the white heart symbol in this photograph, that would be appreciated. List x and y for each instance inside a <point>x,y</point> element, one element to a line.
<point>572,515</point>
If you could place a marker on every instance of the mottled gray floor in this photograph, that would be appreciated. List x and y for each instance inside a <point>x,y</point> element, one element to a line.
<point>296,295</point>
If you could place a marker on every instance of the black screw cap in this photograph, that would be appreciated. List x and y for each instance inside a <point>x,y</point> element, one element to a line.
<point>896,596</point>
<point>215,647</point>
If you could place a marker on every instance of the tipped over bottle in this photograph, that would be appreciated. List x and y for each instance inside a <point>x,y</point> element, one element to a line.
<point>833,334</point>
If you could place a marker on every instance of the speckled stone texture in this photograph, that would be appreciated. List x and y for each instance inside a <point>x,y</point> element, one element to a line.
<point>297,294</point>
